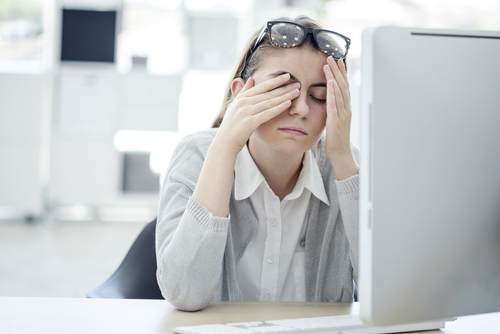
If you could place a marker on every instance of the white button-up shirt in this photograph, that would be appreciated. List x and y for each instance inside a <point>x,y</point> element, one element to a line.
<point>272,267</point>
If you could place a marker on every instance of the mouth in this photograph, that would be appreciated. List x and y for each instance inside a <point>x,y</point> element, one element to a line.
<point>293,130</point>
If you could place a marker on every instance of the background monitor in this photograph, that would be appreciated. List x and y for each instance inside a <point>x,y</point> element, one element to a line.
<point>88,35</point>
<point>430,174</point>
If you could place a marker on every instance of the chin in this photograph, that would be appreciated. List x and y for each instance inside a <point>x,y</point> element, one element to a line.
<point>289,146</point>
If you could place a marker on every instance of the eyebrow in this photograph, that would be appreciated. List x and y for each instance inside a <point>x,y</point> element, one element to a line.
<point>293,78</point>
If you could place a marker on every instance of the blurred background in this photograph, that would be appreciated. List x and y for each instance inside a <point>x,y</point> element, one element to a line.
<point>95,94</point>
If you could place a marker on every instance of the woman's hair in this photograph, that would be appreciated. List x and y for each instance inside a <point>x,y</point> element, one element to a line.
<point>247,66</point>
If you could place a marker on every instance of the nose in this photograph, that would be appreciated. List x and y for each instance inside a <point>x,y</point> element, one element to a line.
<point>299,106</point>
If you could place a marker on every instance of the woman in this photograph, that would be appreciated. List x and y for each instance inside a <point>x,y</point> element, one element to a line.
<point>263,206</point>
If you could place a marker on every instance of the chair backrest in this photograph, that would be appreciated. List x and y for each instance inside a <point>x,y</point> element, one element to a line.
<point>135,278</point>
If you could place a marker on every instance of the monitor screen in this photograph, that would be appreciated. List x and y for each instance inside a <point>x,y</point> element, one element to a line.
<point>88,35</point>
<point>430,174</point>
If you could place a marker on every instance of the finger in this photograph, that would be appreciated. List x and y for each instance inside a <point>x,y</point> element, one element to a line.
<point>339,99</point>
<point>328,72</point>
<point>341,66</point>
<point>343,106</point>
<point>269,85</point>
<point>331,98</point>
<point>330,92</point>
<point>278,92</point>
<point>331,101</point>
<point>339,78</point>
<point>343,70</point>
<point>248,85</point>
<point>335,67</point>
<point>270,113</point>
<point>271,103</point>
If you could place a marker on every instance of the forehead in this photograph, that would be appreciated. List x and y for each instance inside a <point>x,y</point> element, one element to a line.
<point>305,64</point>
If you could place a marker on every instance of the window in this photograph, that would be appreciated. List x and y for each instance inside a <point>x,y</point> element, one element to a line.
<point>21,33</point>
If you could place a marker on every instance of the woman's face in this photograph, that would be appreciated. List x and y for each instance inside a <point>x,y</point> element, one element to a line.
<point>299,128</point>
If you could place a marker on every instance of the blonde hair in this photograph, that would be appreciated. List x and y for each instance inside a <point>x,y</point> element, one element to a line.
<point>249,64</point>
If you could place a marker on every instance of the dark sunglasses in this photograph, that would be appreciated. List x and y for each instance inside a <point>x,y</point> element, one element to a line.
<point>286,34</point>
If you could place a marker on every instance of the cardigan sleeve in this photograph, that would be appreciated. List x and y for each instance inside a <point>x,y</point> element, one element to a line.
<point>348,192</point>
<point>190,241</point>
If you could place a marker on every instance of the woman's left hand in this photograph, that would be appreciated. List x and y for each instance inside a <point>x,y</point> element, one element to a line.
<point>338,120</point>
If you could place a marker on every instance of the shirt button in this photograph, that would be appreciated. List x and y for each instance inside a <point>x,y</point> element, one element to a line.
<point>302,243</point>
<point>273,222</point>
<point>270,259</point>
<point>267,297</point>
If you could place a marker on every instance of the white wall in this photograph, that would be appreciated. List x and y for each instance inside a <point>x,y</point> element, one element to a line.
<point>92,104</point>
<point>20,140</point>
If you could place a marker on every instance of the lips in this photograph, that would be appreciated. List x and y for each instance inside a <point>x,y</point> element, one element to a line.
<point>294,130</point>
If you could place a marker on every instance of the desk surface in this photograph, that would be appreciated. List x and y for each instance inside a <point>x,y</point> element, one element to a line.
<point>79,315</point>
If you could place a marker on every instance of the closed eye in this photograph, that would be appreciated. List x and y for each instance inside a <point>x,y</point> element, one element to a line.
<point>322,101</point>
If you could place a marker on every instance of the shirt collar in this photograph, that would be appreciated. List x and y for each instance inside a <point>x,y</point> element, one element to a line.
<point>248,177</point>
<point>310,178</point>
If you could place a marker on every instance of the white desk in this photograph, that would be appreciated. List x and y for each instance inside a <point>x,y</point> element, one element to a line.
<point>78,315</point>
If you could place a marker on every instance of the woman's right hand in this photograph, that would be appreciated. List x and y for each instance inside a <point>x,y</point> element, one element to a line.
<point>253,106</point>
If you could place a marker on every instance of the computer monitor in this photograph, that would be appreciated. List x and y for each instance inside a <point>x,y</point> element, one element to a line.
<point>430,174</point>
<point>88,35</point>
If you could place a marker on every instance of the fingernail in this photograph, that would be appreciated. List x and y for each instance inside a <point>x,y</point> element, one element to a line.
<point>295,92</point>
<point>296,85</point>
<point>285,76</point>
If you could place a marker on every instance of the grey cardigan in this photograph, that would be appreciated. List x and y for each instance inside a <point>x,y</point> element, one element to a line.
<point>197,252</point>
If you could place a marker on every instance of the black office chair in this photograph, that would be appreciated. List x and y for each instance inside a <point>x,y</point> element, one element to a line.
<point>135,278</point>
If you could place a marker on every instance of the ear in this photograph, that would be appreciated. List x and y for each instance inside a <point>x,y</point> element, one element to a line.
<point>237,85</point>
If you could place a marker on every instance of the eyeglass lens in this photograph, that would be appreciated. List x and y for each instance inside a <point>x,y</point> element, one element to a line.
<point>286,35</point>
<point>290,35</point>
<point>332,44</point>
